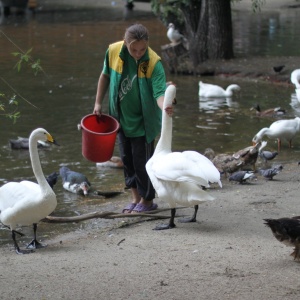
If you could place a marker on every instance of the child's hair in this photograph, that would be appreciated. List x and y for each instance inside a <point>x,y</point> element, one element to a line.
<point>136,32</point>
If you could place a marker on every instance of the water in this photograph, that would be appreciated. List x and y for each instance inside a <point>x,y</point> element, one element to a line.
<point>71,46</point>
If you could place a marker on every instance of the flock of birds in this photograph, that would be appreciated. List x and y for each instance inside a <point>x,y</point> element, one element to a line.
<point>285,230</point>
<point>179,178</point>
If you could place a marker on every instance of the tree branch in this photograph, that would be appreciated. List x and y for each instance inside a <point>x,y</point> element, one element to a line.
<point>106,215</point>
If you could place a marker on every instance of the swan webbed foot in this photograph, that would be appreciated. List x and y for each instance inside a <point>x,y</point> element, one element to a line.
<point>164,226</point>
<point>19,251</point>
<point>187,220</point>
<point>34,244</point>
<point>17,248</point>
<point>193,218</point>
<point>171,223</point>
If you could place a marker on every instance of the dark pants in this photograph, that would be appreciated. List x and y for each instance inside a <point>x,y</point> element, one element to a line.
<point>135,153</point>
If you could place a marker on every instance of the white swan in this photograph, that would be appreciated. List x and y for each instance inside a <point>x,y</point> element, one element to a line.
<point>281,129</point>
<point>297,91</point>
<point>207,90</point>
<point>178,177</point>
<point>295,78</point>
<point>26,202</point>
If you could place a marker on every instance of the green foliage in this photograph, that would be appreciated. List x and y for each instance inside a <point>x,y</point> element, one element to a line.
<point>166,10</point>
<point>9,106</point>
<point>9,110</point>
<point>27,59</point>
<point>257,4</point>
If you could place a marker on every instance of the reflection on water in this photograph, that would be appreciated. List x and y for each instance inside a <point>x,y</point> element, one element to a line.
<point>71,46</point>
<point>211,104</point>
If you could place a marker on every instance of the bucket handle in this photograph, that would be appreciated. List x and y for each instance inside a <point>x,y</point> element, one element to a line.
<point>98,118</point>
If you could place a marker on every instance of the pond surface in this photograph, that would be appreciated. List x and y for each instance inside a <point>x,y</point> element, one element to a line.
<point>71,47</point>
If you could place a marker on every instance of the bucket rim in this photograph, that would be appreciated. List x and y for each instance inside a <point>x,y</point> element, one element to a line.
<point>94,115</point>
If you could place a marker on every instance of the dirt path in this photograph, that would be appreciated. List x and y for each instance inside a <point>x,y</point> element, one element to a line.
<point>228,254</point>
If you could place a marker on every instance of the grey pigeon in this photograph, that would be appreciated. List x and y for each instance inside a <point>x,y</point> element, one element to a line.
<point>270,173</point>
<point>241,176</point>
<point>267,155</point>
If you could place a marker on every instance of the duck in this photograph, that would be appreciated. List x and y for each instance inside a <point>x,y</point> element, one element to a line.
<point>74,182</point>
<point>249,154</point>
<point>270,173</point>
<point>281,129</point>
<point>271,112</point>
<point>278,69</point>
<point>295,78</point>
<point>179,177</point>
<point>114,162</point>
<point>207,90</point>
<point>26,203</point>
<point>23,143</point>
<point>287,231</point>
<point>241,176</point>
<point>225,163</point>
<point>52,179</point>
<point>129,4</point>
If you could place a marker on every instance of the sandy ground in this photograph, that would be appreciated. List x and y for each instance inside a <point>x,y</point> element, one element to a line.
<point>227,254</point>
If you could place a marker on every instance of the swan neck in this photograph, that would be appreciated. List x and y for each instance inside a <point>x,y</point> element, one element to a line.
<point>165,141</point>
<point>36,163</point>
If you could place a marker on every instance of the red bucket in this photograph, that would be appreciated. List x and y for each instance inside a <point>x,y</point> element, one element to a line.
<point>98,137</point>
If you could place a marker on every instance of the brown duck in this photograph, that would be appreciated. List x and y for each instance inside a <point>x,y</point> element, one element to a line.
<point>287,231</point>
<point>225,163</point>
<point>249,154</point>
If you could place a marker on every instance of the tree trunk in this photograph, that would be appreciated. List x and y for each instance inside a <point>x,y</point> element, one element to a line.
<point>210,37</point>
<point>220,42</point>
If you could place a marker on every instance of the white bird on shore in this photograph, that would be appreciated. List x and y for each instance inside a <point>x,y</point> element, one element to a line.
<point>26,203</point>
<point>281,129</point>
<point>207,90</point>
<point>295,78</point>
<point>178,177</point>
<point>173,34</point>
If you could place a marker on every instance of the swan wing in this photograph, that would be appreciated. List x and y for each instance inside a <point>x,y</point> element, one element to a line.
<point>211,90</point>
<point>13,192</point>
<point>207,167</point>
<point>180,167</point>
